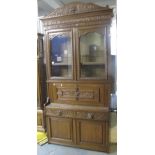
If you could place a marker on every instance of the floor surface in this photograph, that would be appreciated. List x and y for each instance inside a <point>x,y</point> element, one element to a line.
<point>52,149</point>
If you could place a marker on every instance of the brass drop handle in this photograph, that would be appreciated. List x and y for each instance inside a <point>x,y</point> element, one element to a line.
<point>60,93</point>
<point>77,93</point>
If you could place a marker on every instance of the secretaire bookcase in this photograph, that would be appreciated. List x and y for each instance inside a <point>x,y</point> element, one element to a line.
<point>79,75</point>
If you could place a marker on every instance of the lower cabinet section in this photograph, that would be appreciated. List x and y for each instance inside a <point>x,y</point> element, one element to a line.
<point>73,128</point>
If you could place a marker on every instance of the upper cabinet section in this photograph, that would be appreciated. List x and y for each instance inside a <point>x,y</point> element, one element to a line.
<point>77,42</point>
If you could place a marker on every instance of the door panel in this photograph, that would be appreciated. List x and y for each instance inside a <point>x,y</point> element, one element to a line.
<point>60,130</point>
<point>92,134</point>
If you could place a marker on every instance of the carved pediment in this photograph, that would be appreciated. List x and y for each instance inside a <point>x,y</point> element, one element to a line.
<point>74,8</point>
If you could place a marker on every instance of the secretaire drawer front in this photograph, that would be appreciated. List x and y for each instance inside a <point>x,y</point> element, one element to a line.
<point>78,93</point>
<point>83,94</point>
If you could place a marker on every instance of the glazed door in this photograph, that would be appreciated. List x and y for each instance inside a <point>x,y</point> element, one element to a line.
<point>92,53</point>
<point>60,55</point>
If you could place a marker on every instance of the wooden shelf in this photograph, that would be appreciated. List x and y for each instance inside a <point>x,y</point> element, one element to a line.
<point>92,63</point>
<point>61,64</point>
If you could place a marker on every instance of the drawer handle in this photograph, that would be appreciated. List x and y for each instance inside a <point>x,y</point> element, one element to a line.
<point>60,93</point>
<point>77,93</point>
<point>90,116</point>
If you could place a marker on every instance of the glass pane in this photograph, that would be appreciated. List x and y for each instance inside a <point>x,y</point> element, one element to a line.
<point>61,56</point>
<point>93,55</point>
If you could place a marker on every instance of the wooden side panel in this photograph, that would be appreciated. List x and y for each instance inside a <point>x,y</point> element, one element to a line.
<point>107,93</point>
<point>40,121</point>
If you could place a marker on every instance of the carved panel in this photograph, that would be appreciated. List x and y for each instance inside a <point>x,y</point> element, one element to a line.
<point>66,94</point>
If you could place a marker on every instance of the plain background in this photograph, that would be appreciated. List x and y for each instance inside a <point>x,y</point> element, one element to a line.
<point>135,68</point>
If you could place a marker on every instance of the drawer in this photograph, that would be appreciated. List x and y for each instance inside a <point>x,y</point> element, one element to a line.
<point>78,114</point>
<point>60,113</point>
<point>92,115</point>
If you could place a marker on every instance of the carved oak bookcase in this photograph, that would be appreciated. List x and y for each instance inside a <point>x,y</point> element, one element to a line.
<point>79,80</point>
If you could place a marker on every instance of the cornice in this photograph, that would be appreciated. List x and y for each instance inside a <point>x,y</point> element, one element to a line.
<point>74,8</point>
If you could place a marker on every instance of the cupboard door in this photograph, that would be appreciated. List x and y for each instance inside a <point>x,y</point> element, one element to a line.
<point>92,49</point>
<point>60,130</point>
<point>60,55</point>
<point>92,134</point>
